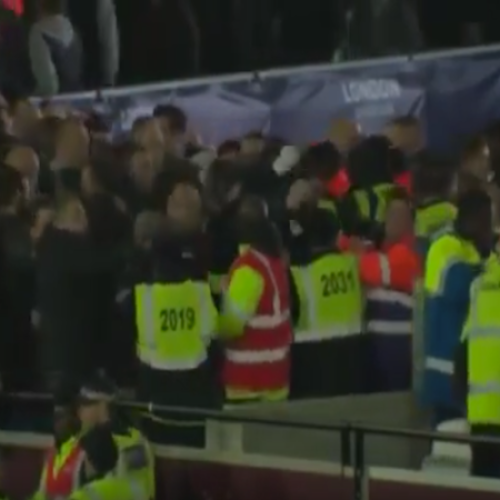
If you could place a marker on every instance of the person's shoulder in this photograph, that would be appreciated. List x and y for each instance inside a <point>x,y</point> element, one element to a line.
<point>447,243</point>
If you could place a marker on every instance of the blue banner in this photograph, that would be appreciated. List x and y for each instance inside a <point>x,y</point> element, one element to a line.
<point>454,95</point>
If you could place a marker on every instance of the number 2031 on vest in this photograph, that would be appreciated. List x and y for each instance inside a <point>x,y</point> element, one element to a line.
<point>337,282</point>
<point>174,319</point>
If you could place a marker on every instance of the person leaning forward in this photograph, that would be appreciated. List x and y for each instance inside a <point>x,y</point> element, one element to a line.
<point>99,463</point>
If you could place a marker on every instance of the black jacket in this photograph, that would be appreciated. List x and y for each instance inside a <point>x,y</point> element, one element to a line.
<point>17,271</point>
<point>69,270</point>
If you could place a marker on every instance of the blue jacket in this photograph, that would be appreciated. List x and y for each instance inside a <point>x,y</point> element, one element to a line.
<point>451,266</point>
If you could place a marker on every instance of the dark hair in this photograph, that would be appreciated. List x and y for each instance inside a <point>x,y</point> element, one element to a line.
<point>398,194</point>
<point>11,184</point>
<point>139,122</point>
<point>229,146</point>
<point>321,160</point>
<point>96,123</point>
<point>176,118</point>
<point>176,171</point>
<point>369,162</point>
<point>432,174</point>
<point>472,147</point>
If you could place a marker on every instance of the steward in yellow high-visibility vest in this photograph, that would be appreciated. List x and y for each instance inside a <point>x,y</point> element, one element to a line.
<point>175,322</point>
<point>435,213</point>
<point>327,349</point>
<point>481,340</point>
<point>101,457</point>
<point>175,319</point>
<point>96,407</point>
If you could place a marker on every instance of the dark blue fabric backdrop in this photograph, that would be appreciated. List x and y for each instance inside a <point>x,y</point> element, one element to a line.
<point>453,96</point>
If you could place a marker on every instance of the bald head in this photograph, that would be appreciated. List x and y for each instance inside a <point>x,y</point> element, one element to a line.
<point>344,134</point>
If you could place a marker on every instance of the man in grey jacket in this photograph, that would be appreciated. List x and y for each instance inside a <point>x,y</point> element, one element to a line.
<point>55,51</point>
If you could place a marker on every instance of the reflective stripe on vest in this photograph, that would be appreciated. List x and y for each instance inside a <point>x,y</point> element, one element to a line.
<point>444,366</point>
<point>263,322</point>
<point>278,317</point>
<point>482,333</point>
<point>389,301</point>
<point>63,470</point>
<point>149,325</point>
<point>385,269</point>
<point>485,388</point>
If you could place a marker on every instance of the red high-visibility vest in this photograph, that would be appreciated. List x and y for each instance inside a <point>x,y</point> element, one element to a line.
<point>259,360</point>
<point>16,6</point>
<point>61,479</point>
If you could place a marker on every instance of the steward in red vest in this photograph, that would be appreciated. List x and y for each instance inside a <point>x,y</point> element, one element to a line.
<point>61,474</point>
<point>255,314</point>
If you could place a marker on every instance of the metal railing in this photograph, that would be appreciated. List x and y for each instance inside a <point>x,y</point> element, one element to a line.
<point>350,433</point>
<point>259,75</point>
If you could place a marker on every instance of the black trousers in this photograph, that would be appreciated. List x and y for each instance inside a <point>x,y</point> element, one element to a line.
<point>486,457</point>
<point>197,389</point>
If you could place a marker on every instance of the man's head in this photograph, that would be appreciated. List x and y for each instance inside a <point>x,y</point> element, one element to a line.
<point>432,176</point>
<point>229,150</point>
<point>94,401</point>
<point>405,133</point>
<point>369,162</point>
<point>101,451</point>
<point>344,134</point>
<point>141,169</point>
<point>173,124</point>
<point>321,161</point>
<point>474,219</point>
<point>184,206</point>
<point>475,158</point>
<point>399,215</point>
<point>150,137</point>
<point>253,143</point>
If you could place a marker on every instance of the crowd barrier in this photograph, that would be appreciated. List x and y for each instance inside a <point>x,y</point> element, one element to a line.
<point>226,471</point>
<point>455,93</point>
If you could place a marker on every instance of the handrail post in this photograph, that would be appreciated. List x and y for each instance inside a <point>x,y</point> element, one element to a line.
<point>361,479</point>
<point>345,447</point>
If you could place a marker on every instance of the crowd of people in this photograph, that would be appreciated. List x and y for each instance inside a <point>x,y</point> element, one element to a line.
<point>256,272</point>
